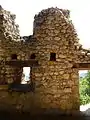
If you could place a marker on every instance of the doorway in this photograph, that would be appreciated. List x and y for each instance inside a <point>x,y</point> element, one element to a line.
<point>84,89</point>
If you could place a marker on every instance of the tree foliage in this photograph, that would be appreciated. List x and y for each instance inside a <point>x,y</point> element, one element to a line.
<point>85,89</point>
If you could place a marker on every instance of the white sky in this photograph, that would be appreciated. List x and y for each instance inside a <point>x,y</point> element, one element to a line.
<point>26,9</point>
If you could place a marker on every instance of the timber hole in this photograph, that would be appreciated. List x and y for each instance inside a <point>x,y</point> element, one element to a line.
<point>52,56</point>
<point>33,56</point>
<point>14,57</point>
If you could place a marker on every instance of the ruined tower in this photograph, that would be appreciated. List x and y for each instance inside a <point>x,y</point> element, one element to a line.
<point>57,53</point>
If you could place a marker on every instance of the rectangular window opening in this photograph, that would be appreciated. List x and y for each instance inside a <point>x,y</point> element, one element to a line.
<point>26,84</point>
<point>26,75</point>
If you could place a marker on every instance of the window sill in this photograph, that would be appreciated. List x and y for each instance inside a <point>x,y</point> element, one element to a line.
<point>21,87</point>
<point>17,87</point>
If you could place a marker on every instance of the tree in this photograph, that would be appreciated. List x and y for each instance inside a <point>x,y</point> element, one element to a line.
<point>88,83</point>
<point>85,89</point>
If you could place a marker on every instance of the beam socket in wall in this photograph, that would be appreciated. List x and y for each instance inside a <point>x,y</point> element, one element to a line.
<point>52,56</point>
<point>33,56</point>
<point>14,57</point>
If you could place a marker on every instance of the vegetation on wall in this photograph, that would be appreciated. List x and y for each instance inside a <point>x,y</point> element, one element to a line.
<point>85,89</point>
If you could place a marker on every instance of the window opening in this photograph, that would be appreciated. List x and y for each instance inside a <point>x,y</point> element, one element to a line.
<point>26,75</point>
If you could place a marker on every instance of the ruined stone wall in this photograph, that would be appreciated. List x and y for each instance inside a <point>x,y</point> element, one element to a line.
<point>10,43</point>
<point>8,28</point>
<point>56,82</point>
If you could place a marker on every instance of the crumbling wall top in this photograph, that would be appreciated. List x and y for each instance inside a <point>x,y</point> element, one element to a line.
<point>8,28</point>
<point>52,10</point>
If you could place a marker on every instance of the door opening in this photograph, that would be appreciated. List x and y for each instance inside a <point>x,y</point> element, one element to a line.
<point>84,89</point>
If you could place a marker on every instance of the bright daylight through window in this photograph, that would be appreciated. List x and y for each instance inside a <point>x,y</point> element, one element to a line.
<point>25,75</point>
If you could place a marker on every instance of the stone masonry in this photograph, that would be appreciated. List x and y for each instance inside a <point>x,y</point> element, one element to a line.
<point>56,48</point>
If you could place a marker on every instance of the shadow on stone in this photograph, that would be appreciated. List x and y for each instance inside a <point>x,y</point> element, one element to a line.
<point>49,114</point>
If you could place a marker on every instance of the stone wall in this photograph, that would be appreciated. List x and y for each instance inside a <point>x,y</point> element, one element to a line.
<point>56,34</point>
<point>56,81</point>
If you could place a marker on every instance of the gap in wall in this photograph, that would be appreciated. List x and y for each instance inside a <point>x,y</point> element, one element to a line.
<point>83,86</point>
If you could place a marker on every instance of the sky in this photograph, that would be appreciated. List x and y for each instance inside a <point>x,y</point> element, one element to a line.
<point>26,9</point>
